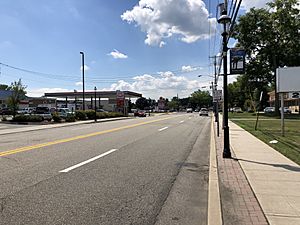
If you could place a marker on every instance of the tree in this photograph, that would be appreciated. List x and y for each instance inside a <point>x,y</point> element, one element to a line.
<point>142,103</point>
<point>201,99</point>
<point>18,93</point>
<point>3,86</point>
<point>271,39</point>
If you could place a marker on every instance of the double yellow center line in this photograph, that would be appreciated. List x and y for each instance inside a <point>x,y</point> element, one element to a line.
<point>27,148</point>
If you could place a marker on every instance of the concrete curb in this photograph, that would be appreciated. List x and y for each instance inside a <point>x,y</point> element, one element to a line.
<point>214,201</point>
<point>51,126</point>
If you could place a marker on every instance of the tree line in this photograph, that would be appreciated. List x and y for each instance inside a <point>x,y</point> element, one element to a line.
<point>271,39</point>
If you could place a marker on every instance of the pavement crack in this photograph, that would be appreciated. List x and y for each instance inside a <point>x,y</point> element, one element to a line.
<point>2,205</point>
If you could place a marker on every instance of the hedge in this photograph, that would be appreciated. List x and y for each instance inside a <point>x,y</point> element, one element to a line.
<point>28,118</point>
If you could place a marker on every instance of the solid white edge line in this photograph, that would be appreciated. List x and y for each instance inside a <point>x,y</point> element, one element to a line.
<point>88,161</point>
<point>214,210</point>
<point>163,128</point>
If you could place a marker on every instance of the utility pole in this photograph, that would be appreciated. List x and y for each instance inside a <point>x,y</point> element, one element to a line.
<point>216,102</point>
<point>83,94</point>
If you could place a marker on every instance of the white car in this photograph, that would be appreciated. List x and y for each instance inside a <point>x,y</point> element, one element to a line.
<point>189,110</point>
<point>286,110</point>
<point>203,112</point>
<point>64,112</point>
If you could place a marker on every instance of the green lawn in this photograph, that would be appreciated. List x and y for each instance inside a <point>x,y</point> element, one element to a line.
<point>269,128</point>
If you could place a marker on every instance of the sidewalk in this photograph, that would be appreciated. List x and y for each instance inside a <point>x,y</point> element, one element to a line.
<point>258,185</point>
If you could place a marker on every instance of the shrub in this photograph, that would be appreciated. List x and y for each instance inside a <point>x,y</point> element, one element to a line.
<point>4,118</point>
<point>56,117</point>
<point>80,115</point>
<point>90,114</point>
<point>28,118</point>
<point>70,118</point>
<point>115,114</point>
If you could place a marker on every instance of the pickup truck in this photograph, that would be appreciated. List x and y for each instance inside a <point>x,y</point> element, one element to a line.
<point>43,112</point>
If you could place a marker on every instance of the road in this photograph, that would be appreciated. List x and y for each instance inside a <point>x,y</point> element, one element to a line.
<point>142,171</point>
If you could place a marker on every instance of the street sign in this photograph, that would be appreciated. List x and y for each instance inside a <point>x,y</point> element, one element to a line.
<point>237,61</point>
<point>217,95</point>
<point>120,98</point>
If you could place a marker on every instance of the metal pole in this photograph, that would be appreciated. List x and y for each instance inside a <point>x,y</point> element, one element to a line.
<point>217,100</point>
<point>226,150</point>
<point>83,94</point>
<point>282,114</point>
<point>95,88</point>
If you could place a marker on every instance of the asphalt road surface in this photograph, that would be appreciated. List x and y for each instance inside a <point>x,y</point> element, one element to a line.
<point>140,171</point>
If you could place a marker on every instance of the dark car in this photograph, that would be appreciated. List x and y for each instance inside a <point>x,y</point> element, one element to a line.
<point>6,111</point>
<point>140,113</point>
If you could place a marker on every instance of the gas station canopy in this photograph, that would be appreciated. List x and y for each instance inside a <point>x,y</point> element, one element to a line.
<point>91,94</point>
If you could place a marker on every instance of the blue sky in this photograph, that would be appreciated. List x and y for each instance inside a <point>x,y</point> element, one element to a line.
<point>157,48</point>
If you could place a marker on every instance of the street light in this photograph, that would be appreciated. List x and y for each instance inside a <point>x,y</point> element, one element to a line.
<point>95,89</point>
<point>83,94</point>
<point>225,19</point>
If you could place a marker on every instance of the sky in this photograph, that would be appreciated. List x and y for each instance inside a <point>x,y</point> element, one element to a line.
<point>153,47</point>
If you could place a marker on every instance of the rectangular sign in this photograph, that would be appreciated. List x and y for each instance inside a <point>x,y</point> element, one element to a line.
<point>237,61</point>
<point>288,79</point>
<point>217,95</point>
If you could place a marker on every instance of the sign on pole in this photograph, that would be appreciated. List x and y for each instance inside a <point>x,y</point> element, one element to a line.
<point>237,61</point>
<point>120,98</point>
<point>217,95</point>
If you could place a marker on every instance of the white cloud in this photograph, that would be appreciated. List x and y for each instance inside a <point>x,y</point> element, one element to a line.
<point>161,19</point>
<point>118,55</point>
<point>79,83</point>
<point>188,68</point>
<point>86,68</point>
<point>248,4</point>
<point>41,91</point>
<point>166,84</point>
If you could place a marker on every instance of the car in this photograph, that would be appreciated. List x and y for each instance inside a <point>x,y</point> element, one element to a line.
<point>237,110</point>
<point>286,110</point>
<point>203,112</point>
<point>269,110</point>
<point>189,110</point>
<point>44,112</point>
<point>101,110</point>
<point>6,111</point>
<point>140,113</point>
<point>64,112</point>
<point>196,110</point>
<point>25,111</point>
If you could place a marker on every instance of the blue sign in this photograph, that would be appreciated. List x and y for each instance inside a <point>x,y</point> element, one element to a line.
<point>237,61</point>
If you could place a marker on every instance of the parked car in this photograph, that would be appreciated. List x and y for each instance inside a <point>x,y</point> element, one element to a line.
<point>189,110</point>
<point>237,110</point>
<point>140,113</point>
<point>25,111</point>
<point>64,112</point>
<point>6,111</point>
<point>203,112</point>
<point>286,110</point>
<point>269,110</point>
<point>101,110</point>
<point>43,112</point>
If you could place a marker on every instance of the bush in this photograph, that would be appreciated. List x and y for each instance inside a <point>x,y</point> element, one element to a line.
<point>4,118</point>
<point>28,118</point>
<point>115,114</point>
<point>56,117</point>
<point>90,114</point>
<point>70,118</point>
<point>80,115</point>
